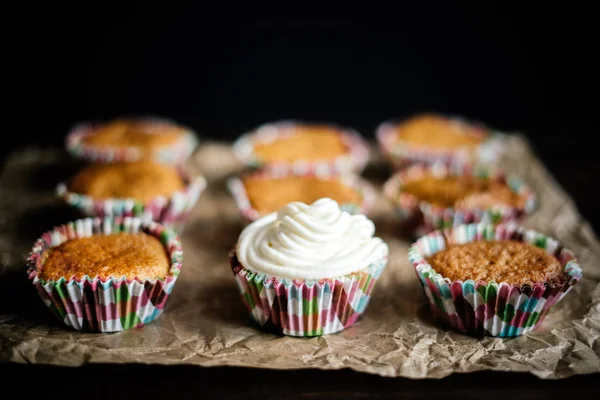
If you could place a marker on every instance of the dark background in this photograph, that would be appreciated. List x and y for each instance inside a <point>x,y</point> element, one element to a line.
<point>517,67</point>
<point>222,71</point>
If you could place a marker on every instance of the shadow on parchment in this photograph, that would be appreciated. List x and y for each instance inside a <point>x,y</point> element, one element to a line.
<point>217,234</point>
<point>377,173</point>
<point>34,222</point>
<point>389,225</point>
<point>19,300</point>
<point>45,177</point>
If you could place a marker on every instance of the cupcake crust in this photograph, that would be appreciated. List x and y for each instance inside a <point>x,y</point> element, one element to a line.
<point>303,142</point>
<point>507,261</point>
<point>133,255</point>
<point>132,133</point>
<point>268,195</point>
<point>141,181</point>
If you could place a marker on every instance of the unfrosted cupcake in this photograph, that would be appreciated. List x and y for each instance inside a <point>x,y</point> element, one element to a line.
<point>429,138</point>
<point>498,280</point>
<point>148,190</point>
<point>131,140</point>
<point>264,192</point>
<point>308,270</point>
<point>106,275</point>
<point>429,197</point>
<point>303,147</point>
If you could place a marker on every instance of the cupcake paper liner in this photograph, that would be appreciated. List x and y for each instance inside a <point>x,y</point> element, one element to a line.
<point>490,308</point>
<point>238,191</point>
<point>306,307</point>
<point>355,161</point>
<point>176,153</point>
<point>105,305</point>
<point>170,211</point>
<point>401,154</point>
<point>428,217</point>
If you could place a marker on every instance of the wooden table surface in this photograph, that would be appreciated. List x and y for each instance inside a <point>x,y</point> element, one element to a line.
<point>575,167</point>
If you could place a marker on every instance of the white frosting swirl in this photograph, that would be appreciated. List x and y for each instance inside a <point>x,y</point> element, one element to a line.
<point>310,242</point>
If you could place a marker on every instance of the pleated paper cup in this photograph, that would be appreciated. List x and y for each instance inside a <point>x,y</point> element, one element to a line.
<point>401,154</point>
<point>364,189</point>
<point>427,217</point>
<point>175,153</point>
<point>490,308</point>
<point>354,161</point>
<point>171,211</point>
<point>105,305</point>
<point>306,307</point>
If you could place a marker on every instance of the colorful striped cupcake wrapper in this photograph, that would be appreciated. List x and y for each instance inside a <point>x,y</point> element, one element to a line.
<point>430,217</point>
<point>176,153</point>
<point>105,305</point>
<point>355,161</point>
<point>170,211</point>
<point>362,187</point>
<point>401,154</point>
<point>306,308</point>
<point>488,308</point>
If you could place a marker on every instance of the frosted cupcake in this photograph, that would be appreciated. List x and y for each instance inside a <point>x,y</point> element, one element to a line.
<point>308,270</point>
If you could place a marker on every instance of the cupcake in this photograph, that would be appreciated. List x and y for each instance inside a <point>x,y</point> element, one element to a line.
<point>106,275</point>
<point>497,280</point>
<point>147,190</point>
<point>132,139</point>
<point>308,270</point>
<point>429,138</point>
<point>264,192</point>
<point>303,147</point>
<point>429,197</point>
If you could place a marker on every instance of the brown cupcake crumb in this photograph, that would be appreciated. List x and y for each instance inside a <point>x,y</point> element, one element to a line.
<point>268,195</point>
<point>119,254</point>
<point>462,191</point>
<point>305,142</point>
<point>132,133</point>
<point>507,261</point>
<point>435,131</point>
<point>141,181</point>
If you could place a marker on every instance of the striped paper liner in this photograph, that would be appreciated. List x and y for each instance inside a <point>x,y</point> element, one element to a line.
<point>430,217</point>
<point>306,307</point>
<point>361,186</point>
<point>490,308</point>
<point>175,153</point>
<point>105,305</point>
<point>170,211</point>
<point>354,161</point>
<point>401,154</point>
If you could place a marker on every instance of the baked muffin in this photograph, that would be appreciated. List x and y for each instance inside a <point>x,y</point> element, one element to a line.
<point>304,147</point>
<point>429,138</point>
<point>106,275</point>
<point>498,280</point>
<point>308,270</point>
<point>429,197</point>
<point>131,140</point>
<point>144,189</point>
<point>261,193</point>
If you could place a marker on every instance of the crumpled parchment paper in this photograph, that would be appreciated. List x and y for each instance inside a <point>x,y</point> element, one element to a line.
<point>206,324</point>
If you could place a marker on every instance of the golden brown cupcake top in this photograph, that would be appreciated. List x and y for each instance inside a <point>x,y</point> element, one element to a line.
<point>463,192</point>
<point>126,133</point>
<point>268,195</point>
<point>434,131</point>
<point>141,181</point>
<point>303,142</point>
<point>500,261</point>
<point>119,254</point>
